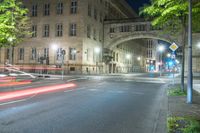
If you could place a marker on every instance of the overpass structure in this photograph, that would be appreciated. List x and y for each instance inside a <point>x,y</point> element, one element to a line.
<point>119,31</point>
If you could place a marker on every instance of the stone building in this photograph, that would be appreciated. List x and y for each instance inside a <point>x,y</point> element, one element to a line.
<point>74,27</point>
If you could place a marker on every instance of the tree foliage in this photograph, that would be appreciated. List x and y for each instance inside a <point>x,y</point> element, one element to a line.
<point>14,23</point>
<point>171,14</point>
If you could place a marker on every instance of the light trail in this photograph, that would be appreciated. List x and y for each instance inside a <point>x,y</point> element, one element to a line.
<point>13,95</point>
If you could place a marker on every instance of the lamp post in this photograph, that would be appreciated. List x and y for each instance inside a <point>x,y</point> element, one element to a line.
<point>190,76</point>
<point>97,51</point>
<point>161,48</point>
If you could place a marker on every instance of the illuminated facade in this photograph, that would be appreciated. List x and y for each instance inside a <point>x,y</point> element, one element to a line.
<point>75,26</point>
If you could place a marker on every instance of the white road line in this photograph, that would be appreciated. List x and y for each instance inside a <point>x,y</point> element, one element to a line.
<point>17,101</point>
<point>75,79</point>
<point>75,89</point>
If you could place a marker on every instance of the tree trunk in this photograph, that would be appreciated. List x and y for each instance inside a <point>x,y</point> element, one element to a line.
<point>183,51</point>
<point>11,57</point>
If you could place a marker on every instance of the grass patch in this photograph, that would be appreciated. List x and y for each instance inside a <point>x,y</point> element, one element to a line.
<point>183,125</point>
<point>176,91</point>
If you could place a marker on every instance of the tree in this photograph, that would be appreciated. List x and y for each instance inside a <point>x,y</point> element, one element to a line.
<point>14,23</point>
<point>172,16</point>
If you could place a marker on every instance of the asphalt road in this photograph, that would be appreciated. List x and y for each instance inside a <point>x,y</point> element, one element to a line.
<point>114,104</point>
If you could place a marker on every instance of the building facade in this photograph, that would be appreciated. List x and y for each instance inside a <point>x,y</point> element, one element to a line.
<point>74,27</point>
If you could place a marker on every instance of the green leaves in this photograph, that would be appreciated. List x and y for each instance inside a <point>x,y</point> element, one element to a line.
<point>13,22</point>
<point>161,12</point>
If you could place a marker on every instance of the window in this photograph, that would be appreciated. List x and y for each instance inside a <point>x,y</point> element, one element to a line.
<point>73,9</point>
<point>72,29</point>
<point>21,53</point>
<point>46,52</point>
<point>101,18</point>
<point>34,31</point>
<point>46,30</point>
<point>89,10</point>
<point>59,8</point>
<point>125,28</point>
<point>112,30</point>
<point>59,54</point>
<point>95,13</point>
<point>34,10</point>
<point>72,68</point>
<point>46,9</point>
<point>113,56</point>
<point>59,30</point>
<point>94,34</point>
<point>88,31</point>
<point>33,54</point>
<point>100,35</point>
<point>72,53</point>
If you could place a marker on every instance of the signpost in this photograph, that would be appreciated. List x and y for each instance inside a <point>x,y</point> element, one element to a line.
<point>173,47</point>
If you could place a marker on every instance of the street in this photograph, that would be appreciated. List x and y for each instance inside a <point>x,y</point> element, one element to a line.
<point>114,104</point>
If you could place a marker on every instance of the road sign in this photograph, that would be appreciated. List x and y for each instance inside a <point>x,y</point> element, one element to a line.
<point>173,47</point>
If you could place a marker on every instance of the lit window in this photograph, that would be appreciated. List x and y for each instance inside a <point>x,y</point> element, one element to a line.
<point>73,9</point>
<point>72,53</point>
<point>21,53</point>
<point>46,52</point>
<point>46,9</point>
<point>34,31</point>
<point>88,31</point>
<point>72,31</point>
<point>46,30</point>
<point>33,53</point>
<point>59,30</point>
<point>59,8</point>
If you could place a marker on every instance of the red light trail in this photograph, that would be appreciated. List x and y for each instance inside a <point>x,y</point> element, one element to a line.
<point>12,95</point>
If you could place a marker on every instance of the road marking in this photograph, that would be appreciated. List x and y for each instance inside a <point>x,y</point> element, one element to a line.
<point>75,89</point>
<point>17,101</point>
<point>75,79</point>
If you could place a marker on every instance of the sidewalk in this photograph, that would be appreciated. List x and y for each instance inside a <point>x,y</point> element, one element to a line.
<point>177,106</point>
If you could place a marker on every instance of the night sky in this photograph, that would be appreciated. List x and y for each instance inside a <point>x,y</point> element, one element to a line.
<point>136,4</point>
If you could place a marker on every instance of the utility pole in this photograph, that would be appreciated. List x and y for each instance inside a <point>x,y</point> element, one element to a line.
<point>190,76</point>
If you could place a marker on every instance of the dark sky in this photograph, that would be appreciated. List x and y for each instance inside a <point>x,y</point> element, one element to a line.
<point>136,4</point>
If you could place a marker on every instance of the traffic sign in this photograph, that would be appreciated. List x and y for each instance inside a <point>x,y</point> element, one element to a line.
<point>173,47</point>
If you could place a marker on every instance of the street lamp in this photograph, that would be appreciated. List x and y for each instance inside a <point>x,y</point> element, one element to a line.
<point>168,55</point>
<point>63,55</point>
<point>128,56</point>
<point>97,51</point>
<point>161,48</point>
<point>139,58</point>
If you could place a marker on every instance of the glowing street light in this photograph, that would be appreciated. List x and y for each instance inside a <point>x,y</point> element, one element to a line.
<point>128,56</point>
<point>97,50</point>
<point>54,47</point>
<point>161,48</point>
<point>177,61</point>
<point>198,45</point>
<point>138,58</point>
<point>168,55</point>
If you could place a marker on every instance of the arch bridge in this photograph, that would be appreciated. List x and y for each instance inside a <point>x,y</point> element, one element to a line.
<point>119,31</point>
